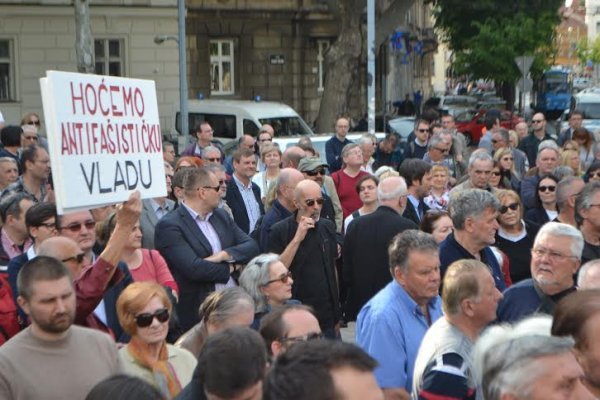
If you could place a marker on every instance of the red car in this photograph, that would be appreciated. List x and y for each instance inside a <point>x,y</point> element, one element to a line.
<point>470,123</point>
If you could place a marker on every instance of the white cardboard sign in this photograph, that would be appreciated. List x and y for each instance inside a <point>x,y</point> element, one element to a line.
<point>104,139</point>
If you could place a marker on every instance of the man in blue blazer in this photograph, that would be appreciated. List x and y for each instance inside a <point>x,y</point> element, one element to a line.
<point>243,195</point>
<point>201,244</point>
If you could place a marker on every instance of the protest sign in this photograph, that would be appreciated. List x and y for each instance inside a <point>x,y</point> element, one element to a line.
<point>104,139</point>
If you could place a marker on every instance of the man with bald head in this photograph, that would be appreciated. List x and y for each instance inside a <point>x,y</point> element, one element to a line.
<point>291,157</point>
<point>522,130</point>
<point>308,248</point>
<point>102,282</point>
<point>529,144</point>
<point>283,206</point>
<point>366,261</point>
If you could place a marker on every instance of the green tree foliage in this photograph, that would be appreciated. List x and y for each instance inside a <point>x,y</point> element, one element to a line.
<point>487,35</point>
<point>588,51</point>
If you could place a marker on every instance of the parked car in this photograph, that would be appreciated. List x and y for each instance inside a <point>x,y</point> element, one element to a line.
<point>471,122</point>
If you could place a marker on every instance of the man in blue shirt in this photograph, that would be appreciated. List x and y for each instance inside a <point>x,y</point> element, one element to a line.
<point>392,324</point>
<point>334,146</point>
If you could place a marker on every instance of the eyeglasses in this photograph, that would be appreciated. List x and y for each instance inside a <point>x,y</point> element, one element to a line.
<point>547,189</point>
<point>594,174</point>
<point>215,188</point>
<point>48,225</point>
<point>537,121</point>
<point>36,123</point>
<point>285,278</point>
<point>316,172</point>
<point>214,159</point>
<point>304,338</point>
<point>443,151</point>
<point>496,173</point>
<point>504,209</point>
<point>423,130</point>
<point>76,227</point>
<point>77,258</point>
<point>144,320</point>
<point>552,255</point>
<point>311,202</point>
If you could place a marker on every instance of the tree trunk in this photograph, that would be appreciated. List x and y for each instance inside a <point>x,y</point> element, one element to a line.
<point>342,63</point>
<point>84,45</point>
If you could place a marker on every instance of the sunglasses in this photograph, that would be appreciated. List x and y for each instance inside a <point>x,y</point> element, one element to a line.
<point>507,159</point>
<point>215,188</point>
<point>547,189</point>
<point>316,172</point>
<point>78,258</point>
<point>594,174</point>
<point>443,151</point>
<point>48,225</point>
<point>423,130</point>
<point>144,320</point>
<point>496,173</point>
<point>89,225</point>
<point>36,123</point>
<point>305,338</point>
<point>504,209</point>
<point>283,279</point>
<point>311,202</point>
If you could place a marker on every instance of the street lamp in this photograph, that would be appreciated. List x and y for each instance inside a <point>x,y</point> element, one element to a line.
<point>180,40</point>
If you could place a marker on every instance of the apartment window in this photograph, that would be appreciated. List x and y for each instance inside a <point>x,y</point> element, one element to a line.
<point>322,47</point>
<point>7,70</point>
<point>221,67</point>
<point>110,58</point>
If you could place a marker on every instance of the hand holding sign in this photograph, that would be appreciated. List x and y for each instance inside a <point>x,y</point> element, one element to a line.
<point>128,213</point>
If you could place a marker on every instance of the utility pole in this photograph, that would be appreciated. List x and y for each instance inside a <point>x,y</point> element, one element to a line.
<point>84,44</point>
<point>371,64</point>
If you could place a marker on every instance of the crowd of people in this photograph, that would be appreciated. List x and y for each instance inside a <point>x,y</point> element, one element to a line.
<point>466,273</point>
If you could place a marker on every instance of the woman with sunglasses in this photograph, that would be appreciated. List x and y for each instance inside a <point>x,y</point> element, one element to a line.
<point>545,193</point>
<point>514,235</point>
<point>144,310</point>
<point>593,173</point>
<point>269,283</point>
<point>504,159</point>
<point>220,310</point>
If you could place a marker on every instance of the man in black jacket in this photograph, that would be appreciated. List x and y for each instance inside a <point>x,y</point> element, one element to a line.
<point>366,262</point>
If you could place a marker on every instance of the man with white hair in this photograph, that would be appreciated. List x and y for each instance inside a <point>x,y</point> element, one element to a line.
<point>365,249</point>
<point>555,259</point>
<point>545,162</point>
<point>367,144</point>
<point>525,363</point>
<point>589,275</point>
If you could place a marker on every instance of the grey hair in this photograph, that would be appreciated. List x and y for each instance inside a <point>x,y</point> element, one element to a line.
<point>505,135</point>
<point>470,203</point>
<point>583,272</point>
<point>396,192</point>
<point>405,242</point>
<point>219,307</point>
<point>480,155</point>
<point>434,141</point>
<point>212,167</point>
<point>209,149</point>
<point>584,200</point>
<point>8,159</point>
<point>347,148</point>
<point>255,275</point>
<point>548,144</point>
<point>564,230</point>
<point>562,189</point>
<point>507,358</point>
<point>563,171</point>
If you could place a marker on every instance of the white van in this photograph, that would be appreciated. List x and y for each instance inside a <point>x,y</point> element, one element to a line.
<point>230,119</point>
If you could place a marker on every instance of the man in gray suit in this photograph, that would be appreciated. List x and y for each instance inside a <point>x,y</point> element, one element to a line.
<point>201,244</point>
<point>154,209</point>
